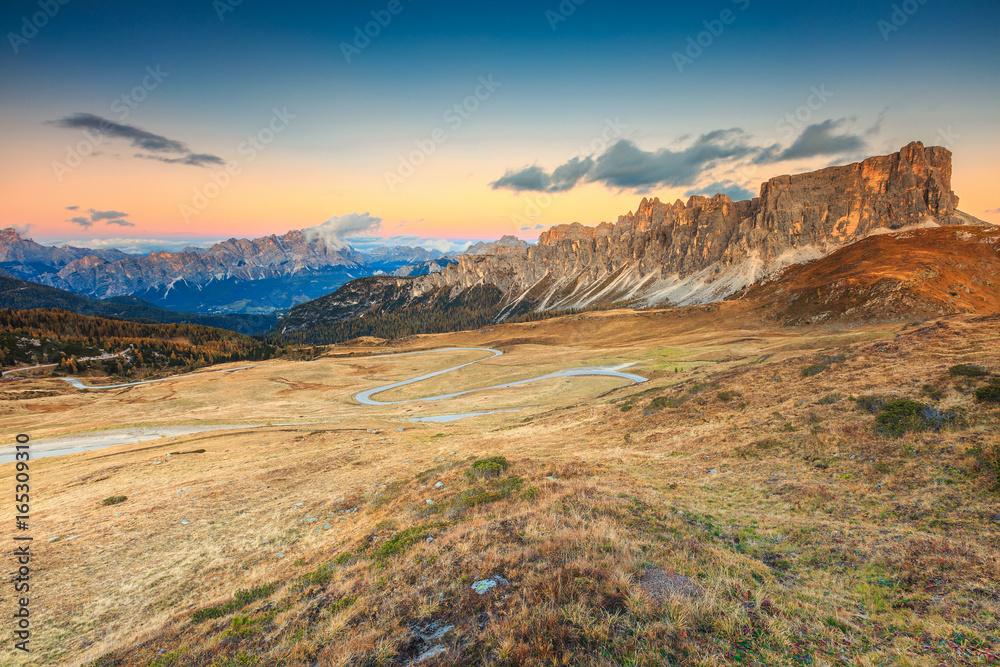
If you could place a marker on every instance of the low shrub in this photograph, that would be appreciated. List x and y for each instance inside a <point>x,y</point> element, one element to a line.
<point>900,417</point>
<point>114,500</point>
<point>968,370</point>
<point>872,404</point>
<point>990,394</point>
<point>491,467</point>
<point>240,600</point>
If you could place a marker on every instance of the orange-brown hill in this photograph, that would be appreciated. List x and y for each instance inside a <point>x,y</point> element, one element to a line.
<point>902,276</point>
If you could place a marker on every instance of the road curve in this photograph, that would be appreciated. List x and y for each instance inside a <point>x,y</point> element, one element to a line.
<point>365,397</point>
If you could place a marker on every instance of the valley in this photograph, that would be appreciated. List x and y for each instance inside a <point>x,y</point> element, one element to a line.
<point>745,464</point>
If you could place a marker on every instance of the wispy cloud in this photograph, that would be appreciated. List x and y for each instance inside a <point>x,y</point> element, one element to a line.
<point>163,149</point>
<point>995,211</point>
<point>625,165</point>
<point>108,217</point>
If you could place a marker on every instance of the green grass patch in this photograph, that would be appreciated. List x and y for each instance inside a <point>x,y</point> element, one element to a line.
<point>872,404</point>
<point>240,600</point>
<point>404,539</point>
<point>114,500</point>
<point>492,492</point>
<point>903,416</point>
<point>491,467</point>
<point>968,370</point>
<point>990,394</point>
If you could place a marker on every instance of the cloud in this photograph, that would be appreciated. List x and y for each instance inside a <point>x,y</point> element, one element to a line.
<point>735,191</point>
<point>22,230</point>
<point>120,223</point>
<point>995,211</point>
<point>625,165</point>
<point>83,222</point>
<point>97,216</point>
<point>334,230</point>
<point>819,139</point>
<point>147,141</point>
<point>195,159</point>
<point>72,208</point>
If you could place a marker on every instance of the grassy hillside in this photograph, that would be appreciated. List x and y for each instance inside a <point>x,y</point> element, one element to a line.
<point>19,294</point>
<point>767,498</point>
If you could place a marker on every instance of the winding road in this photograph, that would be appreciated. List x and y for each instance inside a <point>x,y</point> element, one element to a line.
<point>84,442</point>
<point>365,397</point>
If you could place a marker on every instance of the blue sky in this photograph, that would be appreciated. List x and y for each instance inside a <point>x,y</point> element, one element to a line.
<point>888,73</point>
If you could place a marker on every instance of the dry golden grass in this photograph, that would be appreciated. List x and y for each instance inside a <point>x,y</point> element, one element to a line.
<point>813,539</point>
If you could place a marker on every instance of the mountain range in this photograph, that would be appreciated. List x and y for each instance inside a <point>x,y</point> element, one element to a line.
<point>239,275</point>
<point>687,253</point>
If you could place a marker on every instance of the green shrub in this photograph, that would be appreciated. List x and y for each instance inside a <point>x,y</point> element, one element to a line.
<point>114,500</point>
<point>318,577</point>
<point>240,600</point>
<point>491,467</point>
<point>829,399</point>
<point>480,495</point>
<point>968,370</point>
<point>872,404</point>
<point>899,417</point>
<point>404,539</point>
<point>726,396</point>
<point>662,402</point>
<point>990,394</point>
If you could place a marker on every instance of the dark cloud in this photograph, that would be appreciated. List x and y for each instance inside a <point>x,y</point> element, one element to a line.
<point>83,222</point>
<point>625,165</point>
<point>820,139</point>
<point>97,216</point>
<point>72,208</point>
<point>730,188</point>
<point>120,223</point>
<point>147,141</point>
<point>529,179</point>
<point>195,159</point>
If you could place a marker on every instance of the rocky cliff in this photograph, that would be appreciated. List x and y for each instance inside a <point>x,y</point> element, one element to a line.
<point>706,249</point>
<point>702,250</point>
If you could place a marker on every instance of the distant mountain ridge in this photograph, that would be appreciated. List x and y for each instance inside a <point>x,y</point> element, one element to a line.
<point>697,252</point>
<point>238,275</point>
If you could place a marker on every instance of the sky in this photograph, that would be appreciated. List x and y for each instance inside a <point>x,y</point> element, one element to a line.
<point>161,124</point>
